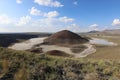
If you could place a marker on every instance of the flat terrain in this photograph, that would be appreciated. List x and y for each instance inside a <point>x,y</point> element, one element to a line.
<point>107,52</point>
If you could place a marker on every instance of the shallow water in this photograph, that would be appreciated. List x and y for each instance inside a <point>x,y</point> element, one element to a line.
<point>102,42</point>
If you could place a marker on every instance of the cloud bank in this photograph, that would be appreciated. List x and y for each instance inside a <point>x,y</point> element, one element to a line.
<point>116,22</point>
<point>49,3</point>
<point>19,1</point>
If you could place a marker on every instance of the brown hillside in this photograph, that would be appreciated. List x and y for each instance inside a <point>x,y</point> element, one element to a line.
<point>65,37</point>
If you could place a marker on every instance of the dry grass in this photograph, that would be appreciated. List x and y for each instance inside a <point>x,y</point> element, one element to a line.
<point>107,52</point>
<point>5,66</point>
<point>29,66</point>
<point>22,74</point>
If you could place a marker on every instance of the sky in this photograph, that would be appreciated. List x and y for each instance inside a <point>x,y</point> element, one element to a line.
<point>56,15</point>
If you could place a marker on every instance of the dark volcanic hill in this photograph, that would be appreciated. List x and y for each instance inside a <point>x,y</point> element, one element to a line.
<point>65,37</point>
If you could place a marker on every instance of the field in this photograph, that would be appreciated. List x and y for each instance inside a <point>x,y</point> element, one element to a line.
<point>107,52</point>
<point>21,65</point>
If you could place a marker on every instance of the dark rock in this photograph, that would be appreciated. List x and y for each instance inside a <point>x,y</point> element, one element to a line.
<point>65,37</point>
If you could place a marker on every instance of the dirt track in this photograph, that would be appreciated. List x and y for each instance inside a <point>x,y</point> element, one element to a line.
<point>90,49</point>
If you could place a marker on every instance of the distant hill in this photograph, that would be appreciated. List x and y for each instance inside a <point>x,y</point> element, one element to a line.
<point>112,31</point>
<point>108,31</point>
<point>94,31</point>
<point>65,37</point>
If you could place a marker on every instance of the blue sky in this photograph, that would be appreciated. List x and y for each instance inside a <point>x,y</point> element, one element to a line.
<point>56,15</point>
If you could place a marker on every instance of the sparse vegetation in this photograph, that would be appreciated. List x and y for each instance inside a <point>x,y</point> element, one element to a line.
<point>58,53</point>
<point>29,66</point>
<point>5,65</point>
<point>78,48</point>
<point>106,52</point>
<point>23,65</point>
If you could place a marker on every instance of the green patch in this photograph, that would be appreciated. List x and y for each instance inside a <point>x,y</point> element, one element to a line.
<point>21,65</point>
<point>78,48</point>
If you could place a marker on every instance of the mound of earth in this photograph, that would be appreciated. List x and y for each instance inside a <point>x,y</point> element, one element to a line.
<point>36,50</point>
<point>58,53</point>
<point>65,37</point>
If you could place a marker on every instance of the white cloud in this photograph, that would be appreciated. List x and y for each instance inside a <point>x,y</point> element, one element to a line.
<point>2,29</point>
<point>66,19</point>
<point>48,22</point>
<point>19,1</point>
<point>52,24</point>
<point>27,24</point>
<point>34,11</point>
<point>4,19</point>
<point>45,22</point>
<point>47,25</point>
<point>51,14</point>
<point>75,3</point>
<point>74,28</point>
<point>116,22</point>
<point>24,20</point>
<point>94,27</point>
<point>49,3</point>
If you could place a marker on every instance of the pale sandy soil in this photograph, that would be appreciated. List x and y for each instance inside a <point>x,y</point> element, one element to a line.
<point>27,44</point>
<point>90,49</point>
<point>111,36</point>
<point>31,42</point>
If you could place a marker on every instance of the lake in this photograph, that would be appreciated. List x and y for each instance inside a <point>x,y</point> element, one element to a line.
<point>102,42</point>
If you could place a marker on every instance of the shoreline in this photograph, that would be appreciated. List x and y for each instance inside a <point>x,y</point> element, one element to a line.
<point>28,44</point>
